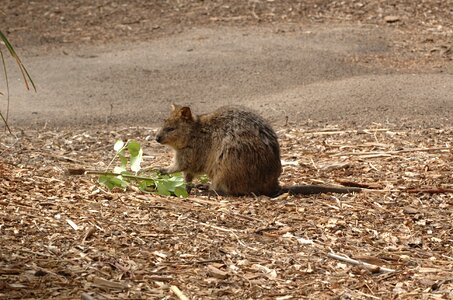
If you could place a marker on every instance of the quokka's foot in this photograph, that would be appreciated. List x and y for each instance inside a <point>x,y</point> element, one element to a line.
<point>163,171</point>
<point>202,186</point>
<point>189,187</point>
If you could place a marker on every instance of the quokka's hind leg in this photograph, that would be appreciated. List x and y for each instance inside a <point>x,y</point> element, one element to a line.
<point>235,187</point>
<point>188,177</point>
<point>219,188</point>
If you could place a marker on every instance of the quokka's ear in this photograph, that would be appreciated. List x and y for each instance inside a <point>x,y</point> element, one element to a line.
<point>185,113</point>
<point>174,106</point>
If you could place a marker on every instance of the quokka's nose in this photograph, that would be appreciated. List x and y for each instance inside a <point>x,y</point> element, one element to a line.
<point>159,138</point>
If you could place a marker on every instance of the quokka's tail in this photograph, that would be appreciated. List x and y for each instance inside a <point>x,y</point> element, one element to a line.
<point>318,189</point>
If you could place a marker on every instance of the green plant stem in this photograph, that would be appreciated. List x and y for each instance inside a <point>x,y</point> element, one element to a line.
<point>21,66</point>
<point>90,172</point>
<point>5,120</point>
<point>7,89</point>
<point>6,123</point>
<point>22,69</point>
<point>116,155</point>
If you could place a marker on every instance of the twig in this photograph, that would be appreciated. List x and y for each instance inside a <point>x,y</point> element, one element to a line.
<point>159,278</point>
<point>178,292</point>
<point>152,168</point>
<point>429,190</point>
<point>108,284</point>
<point>33,252</point>
<point>376,155</point>
<point>357,184</point>
<point>43,271</point>
<point>338,131</point>
<point>370,267</point>
<point>254,13</point>
<point>367,295</point>
<point>64,158</point>
<point>202,201</point>
<point>216,227</point>
<point>72,224</point>
<point>386,153</point>
<point>9,271</point>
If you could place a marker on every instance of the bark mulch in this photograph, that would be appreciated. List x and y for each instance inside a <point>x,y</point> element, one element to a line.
<point>65,237</point>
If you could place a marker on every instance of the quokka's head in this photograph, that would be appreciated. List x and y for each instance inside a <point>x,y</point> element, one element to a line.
<point>176,130</point>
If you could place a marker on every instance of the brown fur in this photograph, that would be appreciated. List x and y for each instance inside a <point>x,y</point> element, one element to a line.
<point>235,147</point>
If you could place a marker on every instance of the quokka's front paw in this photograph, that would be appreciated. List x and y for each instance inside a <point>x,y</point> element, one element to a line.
<point>163,171</point>
<point>202,186</point>
<point>189,187</point>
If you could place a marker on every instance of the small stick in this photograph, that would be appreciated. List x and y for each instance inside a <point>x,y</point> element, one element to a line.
<point>159,278</point>
<point>202,201</point>
<point>391,152</point>
<point>72,224</point>
<point>178,292</point>
<point>367,295</point>
<point>33,252</point>
<point>357,184</point>
<point>216,227</point>
<point>429,190</point>
<point>370,267</point>
<point>331,131</point>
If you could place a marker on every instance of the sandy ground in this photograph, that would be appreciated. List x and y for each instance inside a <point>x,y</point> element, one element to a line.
<point>328,74</point>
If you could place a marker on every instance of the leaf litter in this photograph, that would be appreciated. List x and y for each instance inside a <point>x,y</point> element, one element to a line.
<point>67,237</point>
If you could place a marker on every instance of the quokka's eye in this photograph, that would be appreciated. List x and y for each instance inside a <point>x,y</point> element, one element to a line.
<point>170,129</point>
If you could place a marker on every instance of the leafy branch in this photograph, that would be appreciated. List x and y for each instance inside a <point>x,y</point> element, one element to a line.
<point>130,156</point>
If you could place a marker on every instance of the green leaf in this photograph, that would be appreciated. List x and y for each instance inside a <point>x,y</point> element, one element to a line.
<point>119,169</point>
<point>136,161</point>
<point>162,188</point>
<point>203,179</point>
<point>169,185</point>
<point>176,180</point>
<point>112,181</point>
<point>123,161</point>
<point>175,185</point>
<point>181,192</point>
<point>119,144</point>
<point>146,184</point>
<point>133,147</point>
<point>164,177</point>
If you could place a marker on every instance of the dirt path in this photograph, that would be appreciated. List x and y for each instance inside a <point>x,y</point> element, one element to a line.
<point>320,74</point>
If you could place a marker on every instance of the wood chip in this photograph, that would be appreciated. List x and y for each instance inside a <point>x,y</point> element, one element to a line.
<point>178,293</point>
<point>72,224</point>
<point>391,19</point>
<point>217,273</point>
<point>107,284</point>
